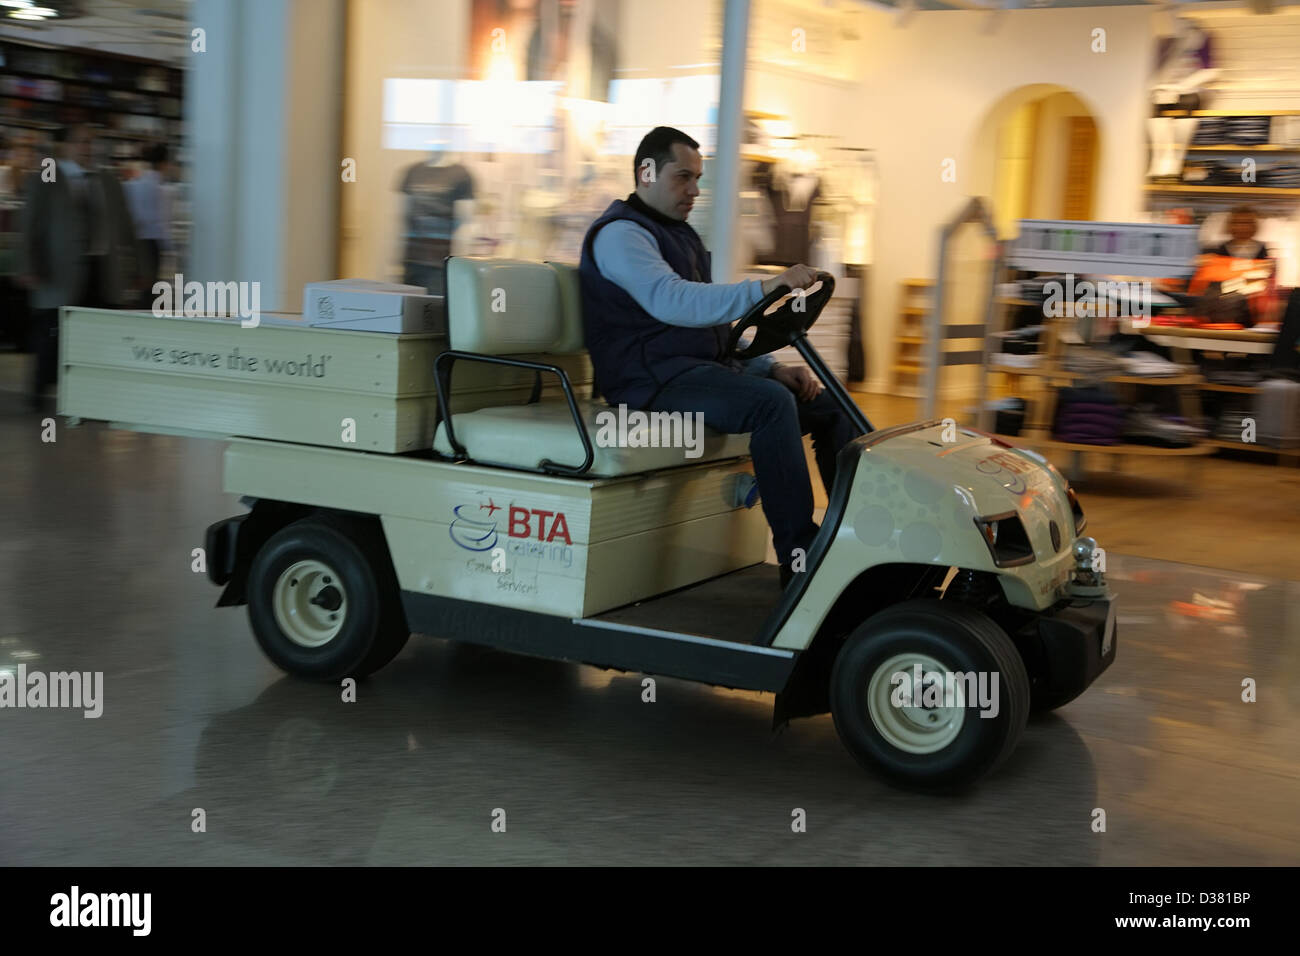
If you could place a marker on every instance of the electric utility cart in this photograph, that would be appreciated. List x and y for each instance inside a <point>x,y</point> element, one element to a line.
<point>451,483</point>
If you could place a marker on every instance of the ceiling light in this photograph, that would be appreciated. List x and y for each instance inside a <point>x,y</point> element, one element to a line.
<point>16,3</point>
<point>24,15</point>
<point>42,11</point>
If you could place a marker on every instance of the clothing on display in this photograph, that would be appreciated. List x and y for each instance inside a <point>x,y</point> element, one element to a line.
<point>1144,425</point>
<point>432,189</point>
<point>1088,416</point>
<point>791,195</point>
<point>817,211</point>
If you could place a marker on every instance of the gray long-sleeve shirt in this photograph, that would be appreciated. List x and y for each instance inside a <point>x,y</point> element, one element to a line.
<point>628,256</point>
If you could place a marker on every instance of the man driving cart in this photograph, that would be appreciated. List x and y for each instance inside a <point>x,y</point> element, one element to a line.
<point>657,330</point>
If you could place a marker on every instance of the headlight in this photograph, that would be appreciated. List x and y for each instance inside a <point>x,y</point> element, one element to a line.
<point>1006,539</point>
<point>1076,509</point>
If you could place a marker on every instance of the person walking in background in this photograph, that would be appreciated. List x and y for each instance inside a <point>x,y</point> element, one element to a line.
<point>77,244</point>
<point>115,254</point>
<point>151,214</point>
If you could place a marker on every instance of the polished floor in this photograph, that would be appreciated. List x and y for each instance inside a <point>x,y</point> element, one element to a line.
<point>96,531</point>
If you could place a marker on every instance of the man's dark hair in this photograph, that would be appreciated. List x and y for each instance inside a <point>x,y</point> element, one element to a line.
<point>658,145</point>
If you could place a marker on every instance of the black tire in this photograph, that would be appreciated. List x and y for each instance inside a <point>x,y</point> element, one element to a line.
<point>373,628</point>
<point>959,638</point>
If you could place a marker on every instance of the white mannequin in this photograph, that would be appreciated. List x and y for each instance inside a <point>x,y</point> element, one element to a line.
<point>1179,74</point>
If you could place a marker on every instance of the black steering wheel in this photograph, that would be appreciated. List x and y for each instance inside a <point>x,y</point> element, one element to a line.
<point>780,318</point>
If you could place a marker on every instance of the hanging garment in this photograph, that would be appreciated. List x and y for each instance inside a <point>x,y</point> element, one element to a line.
<point>792,209</point>
<point>431,194</point>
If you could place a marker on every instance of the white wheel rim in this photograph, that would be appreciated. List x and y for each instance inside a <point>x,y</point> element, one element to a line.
<point>914,728</point>
<point>310,603</point>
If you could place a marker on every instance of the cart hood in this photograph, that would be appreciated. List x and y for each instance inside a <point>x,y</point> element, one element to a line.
<point>944,476</point>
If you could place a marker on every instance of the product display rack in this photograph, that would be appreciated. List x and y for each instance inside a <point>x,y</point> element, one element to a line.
<point>1243,341</point>
<point>1233,192</point>
<point>135,100</point>
<point>1055,339</point>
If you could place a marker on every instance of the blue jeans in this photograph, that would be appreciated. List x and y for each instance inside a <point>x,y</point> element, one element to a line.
<point>734,402</point>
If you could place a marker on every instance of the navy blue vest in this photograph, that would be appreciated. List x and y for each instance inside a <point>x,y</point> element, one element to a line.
<point>634,354</point>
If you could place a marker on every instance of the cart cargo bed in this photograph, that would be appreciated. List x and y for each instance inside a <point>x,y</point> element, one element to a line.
<point>281,380</point>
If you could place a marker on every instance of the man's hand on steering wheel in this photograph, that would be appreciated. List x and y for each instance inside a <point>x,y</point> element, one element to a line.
<point>796,277</point>
<point>799,380</point>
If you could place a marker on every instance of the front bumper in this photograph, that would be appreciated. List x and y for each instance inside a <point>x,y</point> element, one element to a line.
<point>1077,642</point>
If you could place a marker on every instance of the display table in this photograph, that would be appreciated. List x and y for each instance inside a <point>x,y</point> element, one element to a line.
<point>1246,341</point>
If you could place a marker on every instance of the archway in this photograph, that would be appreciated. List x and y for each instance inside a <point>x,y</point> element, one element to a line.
<point>1036,156</point>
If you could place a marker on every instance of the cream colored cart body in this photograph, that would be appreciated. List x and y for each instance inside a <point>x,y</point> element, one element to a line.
<point>942,551</point>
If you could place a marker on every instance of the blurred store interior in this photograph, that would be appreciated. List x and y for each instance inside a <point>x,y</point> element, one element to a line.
<point>292,141</point>
<point>315,140</point>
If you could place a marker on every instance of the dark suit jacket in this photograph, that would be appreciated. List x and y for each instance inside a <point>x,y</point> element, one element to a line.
<point>56,238</point>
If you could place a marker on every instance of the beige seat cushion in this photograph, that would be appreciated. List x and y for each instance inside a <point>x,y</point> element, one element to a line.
<point>520,436</point>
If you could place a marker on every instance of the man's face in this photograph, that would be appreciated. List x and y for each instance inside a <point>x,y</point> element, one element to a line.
<point>673,191</point>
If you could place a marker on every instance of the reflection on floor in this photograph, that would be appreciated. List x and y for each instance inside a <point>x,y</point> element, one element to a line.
<point>95,562</point>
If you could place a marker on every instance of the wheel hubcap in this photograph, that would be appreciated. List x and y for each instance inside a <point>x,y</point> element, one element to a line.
<point>310,603</point>
<point>917,718</point>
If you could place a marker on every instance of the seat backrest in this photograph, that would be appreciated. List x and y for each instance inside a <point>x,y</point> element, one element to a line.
<point>513,306</point>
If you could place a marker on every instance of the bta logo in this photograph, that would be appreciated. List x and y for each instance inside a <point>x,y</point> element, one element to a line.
<point>521,524</point>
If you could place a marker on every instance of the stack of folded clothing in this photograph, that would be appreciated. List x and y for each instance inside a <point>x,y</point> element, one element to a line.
<point>1210,131</point>
<point>1021,341</point>
<point>1246,130</point>
<point>1005,360</point>
<point>1087,416</point>
<point>1009,415</point>
<point>1145,426</point>
<point>1232,422</point>
<point>1097,363</point>
<point>1150,364</point>
<point>1281,176</point>
<point>1233,369</point>
<point>1033,289</point>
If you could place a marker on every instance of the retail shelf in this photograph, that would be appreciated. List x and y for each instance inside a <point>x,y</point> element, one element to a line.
<point>1265,191</point>
<point>102,84</point>
<point>1244,113</point>
<point>913,310</point>
<point>85,106</point>
<point>1232,113</point>
<point>1244,149</point>
<point>1200,449</point>
<point>1235,445</point>
<point>1225,387</point>
<point>1152,379</point>
<point>1116,379</point>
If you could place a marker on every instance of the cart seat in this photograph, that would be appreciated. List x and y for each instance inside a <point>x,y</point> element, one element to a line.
<point>521,436</point>
<point>511,307</point>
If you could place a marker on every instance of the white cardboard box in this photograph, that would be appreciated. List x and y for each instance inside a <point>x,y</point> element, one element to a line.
<point>372,306</point>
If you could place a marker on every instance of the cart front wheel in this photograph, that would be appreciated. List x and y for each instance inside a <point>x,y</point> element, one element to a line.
<point>930,694</point>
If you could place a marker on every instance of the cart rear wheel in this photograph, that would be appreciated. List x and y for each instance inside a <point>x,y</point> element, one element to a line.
<point>323,601</point>
<point>930,694</point>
